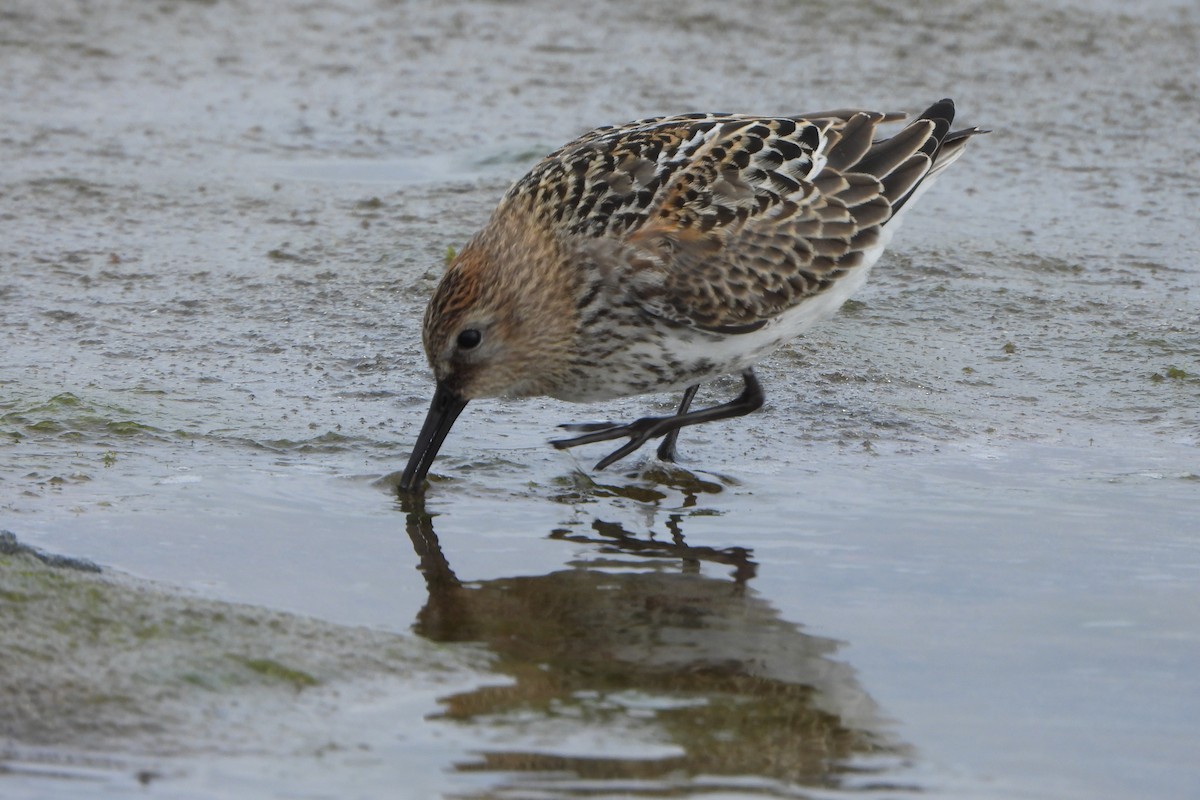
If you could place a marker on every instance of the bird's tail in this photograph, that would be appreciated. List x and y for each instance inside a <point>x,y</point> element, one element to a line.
<point>909,162</point>
<point>943,148</point>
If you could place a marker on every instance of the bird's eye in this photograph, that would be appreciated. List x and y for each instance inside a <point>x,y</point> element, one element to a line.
<point>469,339</point>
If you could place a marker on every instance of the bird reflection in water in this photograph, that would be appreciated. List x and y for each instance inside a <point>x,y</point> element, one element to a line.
<point>645,677</point>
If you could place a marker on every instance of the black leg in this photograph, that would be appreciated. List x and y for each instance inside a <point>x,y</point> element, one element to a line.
<point>666,449</point>
<point>643,430</point>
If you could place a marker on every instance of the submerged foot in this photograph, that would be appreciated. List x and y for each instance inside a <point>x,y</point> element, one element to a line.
<point>666,450</point>
<point>647,428</point>
<point>639,432</point>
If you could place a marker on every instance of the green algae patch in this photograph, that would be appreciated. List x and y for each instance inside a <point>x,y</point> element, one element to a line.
<point>96,660</point>
<point>129,428</point>
<point>72,417</point>
<point>1170,374</point>
<point>272,670</point>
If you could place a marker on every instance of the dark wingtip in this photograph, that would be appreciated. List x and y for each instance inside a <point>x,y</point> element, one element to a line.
<point>942,109</point>
<point>941,114</point>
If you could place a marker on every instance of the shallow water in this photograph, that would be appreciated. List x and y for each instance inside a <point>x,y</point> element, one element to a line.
<point>955,554</point>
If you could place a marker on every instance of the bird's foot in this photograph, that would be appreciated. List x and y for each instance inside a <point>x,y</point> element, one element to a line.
<point>647,428</point>
<point>639,432</point>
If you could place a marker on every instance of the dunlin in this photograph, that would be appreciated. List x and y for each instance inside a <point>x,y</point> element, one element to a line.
<point>660,254</point>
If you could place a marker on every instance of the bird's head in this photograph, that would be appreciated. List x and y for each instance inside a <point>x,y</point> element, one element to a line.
<point>502,322</point>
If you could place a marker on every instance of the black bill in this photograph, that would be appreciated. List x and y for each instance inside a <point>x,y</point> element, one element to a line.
<point>444,409</point>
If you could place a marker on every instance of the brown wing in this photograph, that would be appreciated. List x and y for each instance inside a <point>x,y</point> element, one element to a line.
<point>706,170</point>
<point>738,245</point>
<point>734,218</point>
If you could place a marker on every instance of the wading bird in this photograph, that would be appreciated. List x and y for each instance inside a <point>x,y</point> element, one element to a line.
<point>657,255</point>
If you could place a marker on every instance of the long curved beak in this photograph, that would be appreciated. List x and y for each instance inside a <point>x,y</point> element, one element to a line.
<point>444,409</point>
